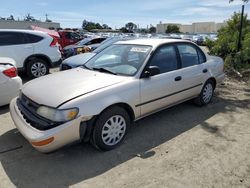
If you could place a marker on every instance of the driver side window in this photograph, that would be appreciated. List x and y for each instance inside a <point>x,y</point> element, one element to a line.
<point>165,58</point>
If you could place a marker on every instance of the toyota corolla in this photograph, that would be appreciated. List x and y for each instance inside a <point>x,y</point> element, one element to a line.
<point>125,82</point>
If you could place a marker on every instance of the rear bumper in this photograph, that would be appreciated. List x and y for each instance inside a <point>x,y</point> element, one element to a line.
<point>220,78</point>
<point>62,135</point>
<point>10,90</point>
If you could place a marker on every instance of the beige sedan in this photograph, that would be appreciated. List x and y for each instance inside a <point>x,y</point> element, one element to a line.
<point>125,82</point>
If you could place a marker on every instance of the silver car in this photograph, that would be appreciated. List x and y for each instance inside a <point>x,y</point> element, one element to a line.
<point>125,82</point>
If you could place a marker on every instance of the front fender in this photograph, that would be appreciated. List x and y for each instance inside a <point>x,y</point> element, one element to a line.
<point>95,102</point>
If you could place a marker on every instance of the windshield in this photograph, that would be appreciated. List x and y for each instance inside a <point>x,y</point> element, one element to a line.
<point>105,44</point>
<point>84,41</point>
<point>122,59</point>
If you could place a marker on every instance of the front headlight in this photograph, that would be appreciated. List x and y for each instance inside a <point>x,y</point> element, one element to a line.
<point>57,115</point>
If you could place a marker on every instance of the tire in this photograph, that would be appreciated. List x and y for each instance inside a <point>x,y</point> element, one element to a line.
<point>206,94</point>
<point>37,68</point>
<point>110,128</point>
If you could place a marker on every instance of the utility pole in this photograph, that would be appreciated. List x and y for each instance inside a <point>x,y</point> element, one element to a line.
<point>240,29</point>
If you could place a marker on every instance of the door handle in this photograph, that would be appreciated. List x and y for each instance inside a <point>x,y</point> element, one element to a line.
<point>178,78</point>
<point>204,71</point>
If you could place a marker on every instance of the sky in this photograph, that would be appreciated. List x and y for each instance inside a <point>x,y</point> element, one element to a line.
<point>116,13</point>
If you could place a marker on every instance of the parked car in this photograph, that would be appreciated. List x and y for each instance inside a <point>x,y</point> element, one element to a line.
<point>81,46</point>
<point>33,51</point>
<point>68,37</point>
<point>213,37</point>
<point>198,40</point>
<point>125,82</point>
<point>10,82</point>
<point>80,59</point>
<point>51,33</point>
<point>186,37</point>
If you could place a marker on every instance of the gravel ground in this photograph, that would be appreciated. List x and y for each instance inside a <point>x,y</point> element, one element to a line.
<point>184,146</point>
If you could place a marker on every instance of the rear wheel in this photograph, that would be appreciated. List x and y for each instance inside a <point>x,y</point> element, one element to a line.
<point>206,94</point>
<point>110,128</point>
<point>37,68</point>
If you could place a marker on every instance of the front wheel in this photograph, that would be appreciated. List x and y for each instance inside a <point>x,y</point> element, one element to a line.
<point>110,128</point>
<point>206,94</point>
<point>37,68</point>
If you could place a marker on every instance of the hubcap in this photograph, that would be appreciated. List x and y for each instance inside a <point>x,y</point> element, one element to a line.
<point>38,69</point>
<point>207,93</point>
<point>113,130</point>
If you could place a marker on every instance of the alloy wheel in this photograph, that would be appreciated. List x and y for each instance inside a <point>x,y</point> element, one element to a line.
<point>38,69</point>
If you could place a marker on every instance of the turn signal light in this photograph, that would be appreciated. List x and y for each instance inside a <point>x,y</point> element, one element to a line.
<point>43,142</point>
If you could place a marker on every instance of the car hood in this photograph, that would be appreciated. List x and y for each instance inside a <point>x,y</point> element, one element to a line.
<point>57,88</point>
<point>78,60</point>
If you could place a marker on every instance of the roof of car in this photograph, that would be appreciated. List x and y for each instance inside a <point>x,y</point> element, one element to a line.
<point>23,31</point>
<point>151,42</point>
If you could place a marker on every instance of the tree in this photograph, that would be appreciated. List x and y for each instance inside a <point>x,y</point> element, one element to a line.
<point>98,26</point>
<point>130,26</point>
<point>124,30</point>
<point>241,24</point>
<point>90,26</point>
<point>84,24</point>
<point>172,29</point>
<point>105,26</point>
<point>152,29</point>
<point>226,45</point>
<point>87,25</point>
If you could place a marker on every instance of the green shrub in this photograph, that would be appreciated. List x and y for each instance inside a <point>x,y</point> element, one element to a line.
<point>226,45</point>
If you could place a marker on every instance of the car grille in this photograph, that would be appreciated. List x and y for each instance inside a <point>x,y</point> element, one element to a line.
<point>28,109</point>
<point>65,67</point>
<point>32,106</point>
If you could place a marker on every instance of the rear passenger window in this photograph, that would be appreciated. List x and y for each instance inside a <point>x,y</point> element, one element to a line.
<point>67,35</point>
<point>165,58</point>
<point>202,57</point>
<point>11,38</point>
<point>72,36</point>
<point>189,56</point>
<point>94,41</point>
<point>33,38</point>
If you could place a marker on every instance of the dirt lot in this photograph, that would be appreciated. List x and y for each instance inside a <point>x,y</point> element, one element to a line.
<point>184,146</point>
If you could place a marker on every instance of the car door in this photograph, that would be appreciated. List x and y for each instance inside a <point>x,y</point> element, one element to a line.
<point>15,46</point>
<point>162,89</point>
<point>193,73</point>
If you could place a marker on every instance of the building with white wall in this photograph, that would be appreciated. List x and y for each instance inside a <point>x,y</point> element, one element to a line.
<point>11,24</point>
<point>197,27</point>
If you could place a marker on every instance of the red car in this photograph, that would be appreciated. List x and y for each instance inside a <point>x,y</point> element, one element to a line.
<point>68,38</point>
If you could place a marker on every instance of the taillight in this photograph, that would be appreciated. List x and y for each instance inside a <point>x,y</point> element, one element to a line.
<point>54,43</point>
<point>12,72</point>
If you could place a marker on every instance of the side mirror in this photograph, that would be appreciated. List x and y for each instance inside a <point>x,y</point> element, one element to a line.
<point>151,71</point>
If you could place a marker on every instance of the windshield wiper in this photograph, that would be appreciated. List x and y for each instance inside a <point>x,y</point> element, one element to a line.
<point>104,70</point>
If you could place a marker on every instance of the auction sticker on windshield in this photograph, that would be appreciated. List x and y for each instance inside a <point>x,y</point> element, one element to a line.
<point>140,49</point>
